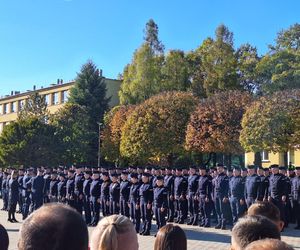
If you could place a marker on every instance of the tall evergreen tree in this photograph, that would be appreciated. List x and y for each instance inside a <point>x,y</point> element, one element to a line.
<point>89,92</point>
<point>151,37</point>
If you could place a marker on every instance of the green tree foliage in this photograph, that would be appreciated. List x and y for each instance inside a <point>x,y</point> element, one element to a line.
<point>89,92</point>
<point>72,130</point>
<point>29,142</point>
<point>114,121</point>
<point>142,78</point>
<point>155,130</point>
<point>279,69</point>
<point>218,67</point>
<point>175,72</point>
<point>272,123</point>
<point>247,61</point>
<point>35,106</point>
<point>215,125</point>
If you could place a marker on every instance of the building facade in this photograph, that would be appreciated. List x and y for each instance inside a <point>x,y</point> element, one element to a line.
<point>56,96</point>
<point>269,158</point>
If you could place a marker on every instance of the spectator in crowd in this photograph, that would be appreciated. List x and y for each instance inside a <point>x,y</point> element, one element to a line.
<point>170,237</point>
<point>54,226</point>
<point>115,232</point>
<point>4,241</point>
<point>269,210</point>
<point>252,228</point>
<point>268,244</point>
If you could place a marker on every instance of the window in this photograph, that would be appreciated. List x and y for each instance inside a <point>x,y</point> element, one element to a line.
<point>1,109</point>
<point>5,108</point>
<point>291,157</point>
<point>21,104</point>
<point>64,96</point>
<point>265,155</point>
<point>47,100</point>
<point>13,107</point>
<point>55,98</point>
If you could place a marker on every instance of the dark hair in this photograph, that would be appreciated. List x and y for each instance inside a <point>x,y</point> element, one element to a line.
<point>4,241</point>
<point>54,226</point>
<point>266,209</point>
<point>252,228</point>
<point>170,237</point>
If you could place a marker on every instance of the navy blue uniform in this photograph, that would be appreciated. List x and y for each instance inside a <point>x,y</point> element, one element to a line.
<point>37,188</point>
<point>264,188</point>
<point>53,190</point>
<point>205,199</point>
<point>87,200</point>
<point>295,191</point>
<point>5,193</point>
<point>95,193</point>
<point>70,187</point>
<point>26,195</point>
<point>134,199</point>
<point>160,204</point>
<point>105,197</point>
<point>62,191</point>
<point>252,189</point>
<point>221,187</point>
<point>114,197</point>
<point>237,197</point>
<point>124,197</point>
<point>169,185</point>
<point>277,190</point>
<point>20,201</point>
<point>13,198</point>
<point>180,192</point>
<point>146,199</point>
<point>78,192</point>
<point>193,204</point>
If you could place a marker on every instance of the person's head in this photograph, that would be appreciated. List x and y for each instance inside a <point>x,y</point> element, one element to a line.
<point>202,170</point>
<point>220,168</point>
<point>4,241</point>
<point>53,176</point>
<point>160,181</point>
<point>14,174</point>
<point>96,175</point>
<point>178,172</point>
<point>297,171</point>
<point>274,168</point>
<point>236,172</point>
<point>71,173</point>
<point>124,175</point>
<point>115,232</point>
<point>268,244</point>
<point>251,170</point>
<point>145,177</point>
<point>105,176</point>
<point>78,170</point>
<point>260,171</point>
<point>87,175</point>
<point>54,226</point>
<point>192,170</point>
<point>170,237</point>
<point>252,228</point>
<point>268,210</point>
<point>114,177</point>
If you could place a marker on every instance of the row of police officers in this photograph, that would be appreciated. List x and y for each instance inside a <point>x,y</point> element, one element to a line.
<point>195,196</point>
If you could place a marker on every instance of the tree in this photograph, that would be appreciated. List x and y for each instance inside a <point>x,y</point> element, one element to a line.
<point>29,142</point>
<point>175,72</point>
<point>155,130</point>
<point>111,137</point>
<point>151,37</point>
<point>35,106</point>
<point>218,62</point>
<point>247,59</point>
<point>72,130</point>
<point>272,123</point>
<point>279,68</point>
<point>142,78</point>
<point>89,92</point>
<point>215,125</point>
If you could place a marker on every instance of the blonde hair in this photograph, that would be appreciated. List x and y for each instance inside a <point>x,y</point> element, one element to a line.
<point>105,235</point>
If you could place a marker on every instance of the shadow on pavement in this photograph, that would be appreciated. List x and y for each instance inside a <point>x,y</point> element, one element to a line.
<point>207,236</point>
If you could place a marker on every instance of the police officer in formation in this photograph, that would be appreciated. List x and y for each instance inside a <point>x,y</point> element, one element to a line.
<point>166,195</point>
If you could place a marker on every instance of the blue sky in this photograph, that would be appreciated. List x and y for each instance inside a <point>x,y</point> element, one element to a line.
<point>42,40</point>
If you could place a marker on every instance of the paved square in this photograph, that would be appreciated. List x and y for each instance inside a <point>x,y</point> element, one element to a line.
<point>198,238</point>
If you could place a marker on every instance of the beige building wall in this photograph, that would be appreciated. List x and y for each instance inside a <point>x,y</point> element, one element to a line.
<point>56,97</point>
<point>275,158</point>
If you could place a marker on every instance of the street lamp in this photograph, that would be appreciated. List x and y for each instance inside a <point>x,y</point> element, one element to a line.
<point>99,144</point>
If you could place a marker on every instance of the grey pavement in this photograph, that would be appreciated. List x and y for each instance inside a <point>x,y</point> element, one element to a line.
<point>198,238</point>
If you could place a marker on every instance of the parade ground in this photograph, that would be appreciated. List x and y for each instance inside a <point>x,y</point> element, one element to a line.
<point>198,238</point>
